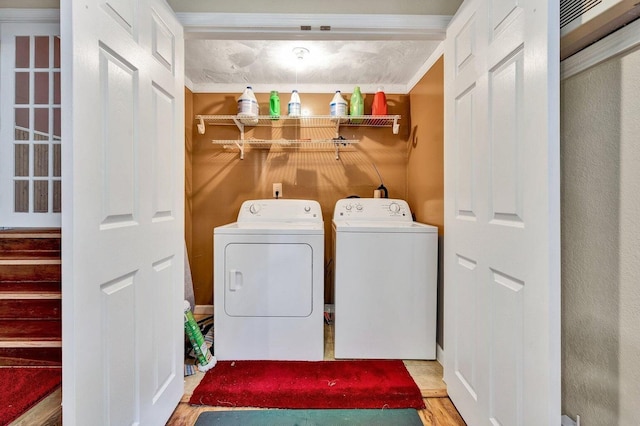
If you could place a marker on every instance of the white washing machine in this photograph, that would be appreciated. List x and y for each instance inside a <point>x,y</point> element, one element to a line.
<point>269,282</point>
<point>385,281</point>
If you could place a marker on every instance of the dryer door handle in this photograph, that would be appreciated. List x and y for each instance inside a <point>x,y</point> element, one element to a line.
<point>235,280</point>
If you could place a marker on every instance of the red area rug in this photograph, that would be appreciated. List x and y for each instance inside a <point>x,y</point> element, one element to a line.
<point>300,384</point>
<point>22,388</point>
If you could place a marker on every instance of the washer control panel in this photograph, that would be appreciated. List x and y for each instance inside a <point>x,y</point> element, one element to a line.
<point>282,210</point>
<point>372,209</point>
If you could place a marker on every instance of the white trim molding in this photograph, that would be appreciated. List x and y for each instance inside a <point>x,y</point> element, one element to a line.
<point>270,26</point>
<point>440,355</point>
<point>618,43</point>
<point>400,89</point>
<point>35,16</point>
<point>203,310</point>
<point>424,69</point>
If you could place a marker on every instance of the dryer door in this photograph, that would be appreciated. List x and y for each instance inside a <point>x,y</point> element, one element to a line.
<point>268,280</point>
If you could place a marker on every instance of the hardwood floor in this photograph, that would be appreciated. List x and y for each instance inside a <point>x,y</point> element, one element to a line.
<point>439,410</point>
<point>47,412</point>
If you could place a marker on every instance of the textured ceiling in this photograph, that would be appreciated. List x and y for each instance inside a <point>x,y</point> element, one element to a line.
<point>388,63</point>
<point>245,45</point>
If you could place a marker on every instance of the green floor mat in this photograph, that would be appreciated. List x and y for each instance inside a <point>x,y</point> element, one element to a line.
<point>368,417</point>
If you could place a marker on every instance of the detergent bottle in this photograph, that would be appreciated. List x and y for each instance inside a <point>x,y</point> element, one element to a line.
<point>357,104</point>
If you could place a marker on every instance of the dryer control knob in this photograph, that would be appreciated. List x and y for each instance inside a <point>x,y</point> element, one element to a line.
<point>394,207</point>
<point>359,207</point>
<point>307,209</point>
<point>348,207</point>
<point>254,208</point>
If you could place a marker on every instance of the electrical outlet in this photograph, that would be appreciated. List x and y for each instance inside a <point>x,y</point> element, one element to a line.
<point>277,190</point>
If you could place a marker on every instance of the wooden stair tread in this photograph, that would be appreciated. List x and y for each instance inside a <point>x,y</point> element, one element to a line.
<point>29,232</point>
<point>29,295</point>
<point>30,331</point>
<point>9,260</point>
<point>31,255</point>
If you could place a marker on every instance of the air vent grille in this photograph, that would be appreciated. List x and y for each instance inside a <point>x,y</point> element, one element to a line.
<point>572,9</point>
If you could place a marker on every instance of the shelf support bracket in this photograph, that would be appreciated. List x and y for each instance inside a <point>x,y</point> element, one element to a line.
<point>201,126</point>
<point>241,148</point>
<point>241,144</point>
<point>396,125</point>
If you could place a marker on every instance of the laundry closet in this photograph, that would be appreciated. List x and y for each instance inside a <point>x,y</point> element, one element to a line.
<point>409,163</point>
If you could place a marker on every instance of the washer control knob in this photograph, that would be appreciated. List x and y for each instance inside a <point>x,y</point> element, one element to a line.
<point>307,209</point>
<point>348,207</point>
<point>394,207</point>
<point>359,207</point>
<point>254,208</point>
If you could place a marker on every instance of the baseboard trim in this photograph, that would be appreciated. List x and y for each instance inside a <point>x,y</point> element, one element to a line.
<point>203,310</point>
<point>440,355</point>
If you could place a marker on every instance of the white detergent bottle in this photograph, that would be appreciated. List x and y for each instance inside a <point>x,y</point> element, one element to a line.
<point>248,108</point>
<point>338,106</point>
<point>295,107</point>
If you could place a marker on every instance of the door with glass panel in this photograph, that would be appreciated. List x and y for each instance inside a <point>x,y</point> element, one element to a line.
<point>30,136</point>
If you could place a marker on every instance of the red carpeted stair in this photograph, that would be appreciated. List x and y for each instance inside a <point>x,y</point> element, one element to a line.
<point>30,325</point>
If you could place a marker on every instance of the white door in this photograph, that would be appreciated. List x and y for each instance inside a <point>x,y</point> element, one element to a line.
<point>122,224</point>
<point>502,239</point>
<point>30,136</point>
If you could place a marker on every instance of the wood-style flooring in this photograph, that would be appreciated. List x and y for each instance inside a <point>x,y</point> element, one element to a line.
<point>439,410</point>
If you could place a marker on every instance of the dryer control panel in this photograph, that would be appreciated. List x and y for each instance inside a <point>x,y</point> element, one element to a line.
<point>282,210</point>
<point>372,209</point>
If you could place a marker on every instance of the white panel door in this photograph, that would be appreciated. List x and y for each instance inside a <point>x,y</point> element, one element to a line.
<point>502,239</point>
<point>123,180</point>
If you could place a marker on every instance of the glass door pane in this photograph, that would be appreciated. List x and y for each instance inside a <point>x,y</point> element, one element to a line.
<point>37,159</point>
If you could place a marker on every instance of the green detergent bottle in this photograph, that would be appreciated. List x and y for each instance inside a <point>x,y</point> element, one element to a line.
<point>274,105</point>
<point>356,107</point>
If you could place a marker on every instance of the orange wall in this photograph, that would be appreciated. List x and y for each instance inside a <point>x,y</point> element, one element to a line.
<point>425,166</point>
<point>221,181</point>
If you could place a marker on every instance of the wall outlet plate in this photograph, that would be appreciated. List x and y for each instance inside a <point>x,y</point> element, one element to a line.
<point>277,190</point>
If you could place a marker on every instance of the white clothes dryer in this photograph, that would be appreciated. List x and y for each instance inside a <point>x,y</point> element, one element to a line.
<point>385,281</point>
<point>269,282</point>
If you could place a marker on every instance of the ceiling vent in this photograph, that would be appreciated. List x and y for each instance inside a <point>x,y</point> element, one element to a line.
<point>583,22</point>
<point>572,9</point>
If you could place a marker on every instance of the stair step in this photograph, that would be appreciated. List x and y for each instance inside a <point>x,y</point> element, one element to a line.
<point>31,241</point>
<point>35,287</point>
<point>34,356</point>
<point>30,309</point>
<point>49,270</point>
<point>21,333</point>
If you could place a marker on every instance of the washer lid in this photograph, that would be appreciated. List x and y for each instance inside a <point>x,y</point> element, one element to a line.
<point>271,228</point>
<point>382,227</point>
